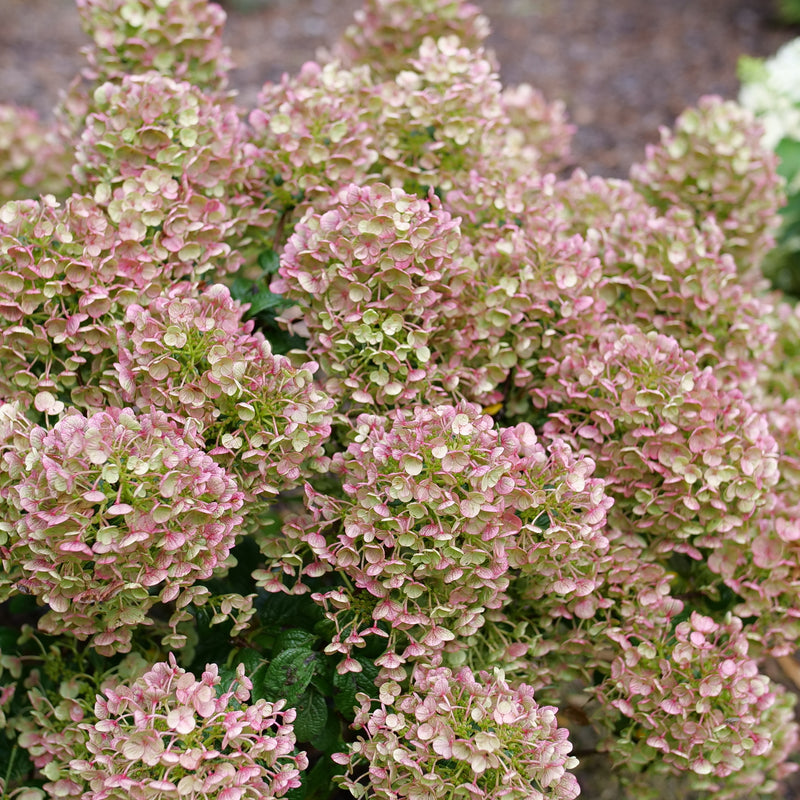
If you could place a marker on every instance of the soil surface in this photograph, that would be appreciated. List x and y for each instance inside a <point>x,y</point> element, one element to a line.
<point>623,67</point>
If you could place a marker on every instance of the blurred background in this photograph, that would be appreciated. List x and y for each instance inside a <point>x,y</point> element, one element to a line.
<point>622,67</point>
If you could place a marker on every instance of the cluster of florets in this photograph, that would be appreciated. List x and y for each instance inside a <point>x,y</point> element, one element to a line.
<point>387,33</point>
<point>33,160</point>
<point>686,461</point>
<point>770,91</point>
<point>693,695</point>
<point>118,511</point>
<point>618,330</point>
<point>443,509</point>
<point>67,277</point>
<point>192,356</point>
<point>167,163</point>
<point>462,735</point>
<point>180,38</point>
<point>315,133</point>
<point>531,287</point>
<point>440,118</point>
<point>59,697</point>
<point>539,135</point>
<point>760,560</point>
<point>165,735</point>
<point>714,163</point>
<point>376,278</point>
<point>668,273</point>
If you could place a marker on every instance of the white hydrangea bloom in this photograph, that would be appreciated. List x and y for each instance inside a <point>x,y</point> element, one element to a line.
<point>771,90</point>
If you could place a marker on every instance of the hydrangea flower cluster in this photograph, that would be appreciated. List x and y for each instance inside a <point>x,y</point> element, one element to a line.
<point>120,512</point>
<point>33,160</point>
<point>531,421</point>
<point>760,561</point>
<point>165,161</point>
<point>443,509</point>
<point>440,117</point>
<point>193,357</point>
<point>386,34</point>
<point>697,697</point>
<point>315,133</point>
<point>59,701</point>
<point>67,276</point>
<point>769,90</point>
<point>531,288</point>
<point>180,38</point>
<point>666,272</point>
<point>167,734</point>
<point>464,735</point>
<point>713,163</point>
<point>377,279</point>
<point>686,462</point>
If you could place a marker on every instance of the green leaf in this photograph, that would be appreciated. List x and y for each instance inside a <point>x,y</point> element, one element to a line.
<point>269,261</point>
<point>312,714</point>
<point>289,674</point>
<point>266,301</point>
<point>788,151</point>
<point>329,739</point>
<point>347,686</point>
<point>295,637</point>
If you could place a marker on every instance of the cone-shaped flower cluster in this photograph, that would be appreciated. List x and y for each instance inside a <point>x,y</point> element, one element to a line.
<point>464,735</point>
<point>117,505</point>
<point>195,358</point>
<point>377,279</point>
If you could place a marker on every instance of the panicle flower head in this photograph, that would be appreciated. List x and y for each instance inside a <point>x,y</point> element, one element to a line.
<point>33,159</point>
<point>686,461</point>
<point>388,33</point>
<point>179,38</point>
<point>15,429</point>
<point>695,697</point>
<point>118,512</point>
<point>440,118</point>
<point>769,90</point>
<point>441,507</point>
<point>532,286</point>
<point>61,696</point>
<point>377,280</point>
<point>166,161</point>
<point>167,734</point>
<point>669,273</point>
<point>313,133</point>
<point>714,163</point>
<point>66,275</point>
<point>539,136</point>
<point>560,549</point>
<point>471,737</point>
<point>760,561</point>
<point>192,355</point>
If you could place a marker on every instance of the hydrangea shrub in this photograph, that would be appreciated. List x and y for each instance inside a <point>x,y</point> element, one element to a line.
<point>349,444</point>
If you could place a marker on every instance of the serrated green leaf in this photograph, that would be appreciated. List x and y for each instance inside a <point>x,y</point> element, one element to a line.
<point>312,714</point>
<point>289,674</point>
<point>295,637</point>
<point>330,739</point>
